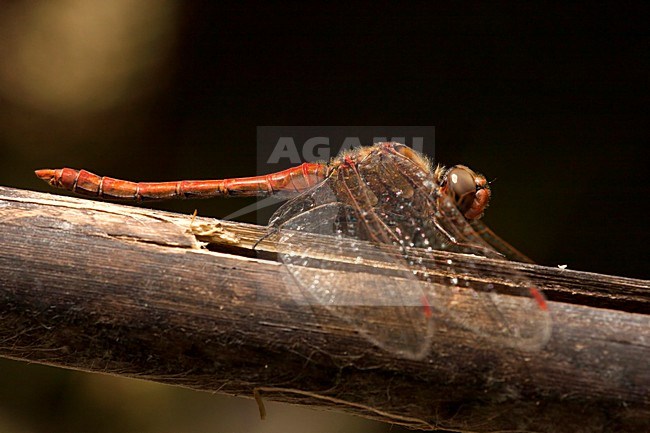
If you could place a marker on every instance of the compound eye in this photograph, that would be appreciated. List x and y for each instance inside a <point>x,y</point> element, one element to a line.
<point>461,186</point>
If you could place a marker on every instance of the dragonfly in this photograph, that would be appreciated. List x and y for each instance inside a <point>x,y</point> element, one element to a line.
<point>381,209</point>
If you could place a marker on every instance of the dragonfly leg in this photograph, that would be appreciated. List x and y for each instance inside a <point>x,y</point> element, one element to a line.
<point>483,250</point>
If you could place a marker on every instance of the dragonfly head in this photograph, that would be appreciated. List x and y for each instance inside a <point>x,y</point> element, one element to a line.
<point>469,190</point>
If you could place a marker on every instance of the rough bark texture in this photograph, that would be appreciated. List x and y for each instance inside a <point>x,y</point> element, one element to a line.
<point>129,291</point>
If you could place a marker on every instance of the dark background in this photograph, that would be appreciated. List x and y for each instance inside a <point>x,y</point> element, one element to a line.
<point>549,100</point>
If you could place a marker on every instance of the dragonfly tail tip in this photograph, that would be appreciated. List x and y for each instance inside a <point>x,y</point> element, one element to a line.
<point>48,175</point>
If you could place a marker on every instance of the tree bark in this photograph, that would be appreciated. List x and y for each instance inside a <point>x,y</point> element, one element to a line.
<point>130,291</point>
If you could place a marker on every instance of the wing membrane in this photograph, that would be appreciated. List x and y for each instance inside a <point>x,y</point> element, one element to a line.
<point>376,220</point>
<point>357,281</point>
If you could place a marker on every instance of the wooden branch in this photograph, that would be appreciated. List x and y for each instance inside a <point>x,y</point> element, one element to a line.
<point>129,291</point>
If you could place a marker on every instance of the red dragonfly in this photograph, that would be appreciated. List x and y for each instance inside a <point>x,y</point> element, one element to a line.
<point>369,199</point>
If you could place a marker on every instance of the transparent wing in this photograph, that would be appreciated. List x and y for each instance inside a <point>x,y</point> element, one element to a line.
<point>376,222</point>
<point>355,280</point>
<point>506,308</point>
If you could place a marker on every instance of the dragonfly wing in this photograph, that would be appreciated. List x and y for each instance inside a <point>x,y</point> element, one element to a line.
<point>361,282</point>
<point>375,219</point>
<point>507,308</point>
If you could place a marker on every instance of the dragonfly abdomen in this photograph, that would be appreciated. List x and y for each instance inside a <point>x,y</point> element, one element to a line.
<point>293,180</point>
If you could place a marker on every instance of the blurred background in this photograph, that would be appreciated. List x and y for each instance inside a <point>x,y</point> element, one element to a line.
<point>552,102</point>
